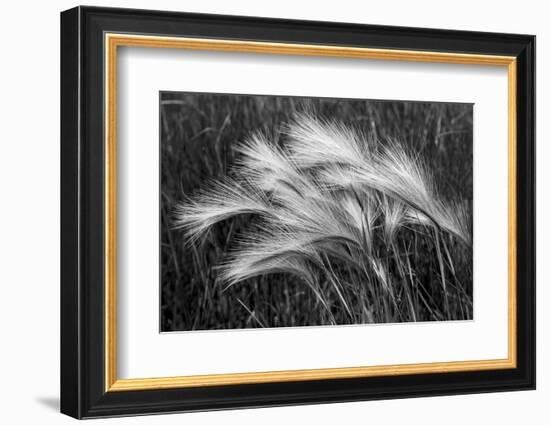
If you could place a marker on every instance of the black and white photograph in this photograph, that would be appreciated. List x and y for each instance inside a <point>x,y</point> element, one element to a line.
<point>282,211</point>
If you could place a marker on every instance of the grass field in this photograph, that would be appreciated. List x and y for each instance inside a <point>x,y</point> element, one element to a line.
<point>429,275</point>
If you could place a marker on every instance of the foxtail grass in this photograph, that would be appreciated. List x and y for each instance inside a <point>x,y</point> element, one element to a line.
<point>344,213</point>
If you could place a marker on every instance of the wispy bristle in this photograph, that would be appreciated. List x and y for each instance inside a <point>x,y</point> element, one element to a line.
<point>220,202</point>
<point>316,143</point>
<point>320,196</point>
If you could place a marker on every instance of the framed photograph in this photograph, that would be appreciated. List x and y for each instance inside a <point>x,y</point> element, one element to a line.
<point>261,212</point>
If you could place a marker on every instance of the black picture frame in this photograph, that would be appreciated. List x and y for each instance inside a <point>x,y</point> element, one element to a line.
<point>83,392</point>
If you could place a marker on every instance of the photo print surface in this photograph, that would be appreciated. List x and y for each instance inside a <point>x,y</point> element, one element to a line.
<point>284,211</point>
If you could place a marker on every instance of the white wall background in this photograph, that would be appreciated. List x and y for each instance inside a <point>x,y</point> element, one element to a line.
<point>29,225</point>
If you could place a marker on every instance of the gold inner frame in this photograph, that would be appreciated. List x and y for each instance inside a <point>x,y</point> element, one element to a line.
<point>113,41</point>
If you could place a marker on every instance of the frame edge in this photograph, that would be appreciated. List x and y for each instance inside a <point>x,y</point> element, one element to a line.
<point>526,180</point>
<point>70,349</point>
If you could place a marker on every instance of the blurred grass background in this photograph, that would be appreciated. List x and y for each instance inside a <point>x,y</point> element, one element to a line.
<point>198,134</point>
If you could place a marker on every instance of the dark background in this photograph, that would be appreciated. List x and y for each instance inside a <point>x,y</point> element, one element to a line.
<point>198,134</point>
